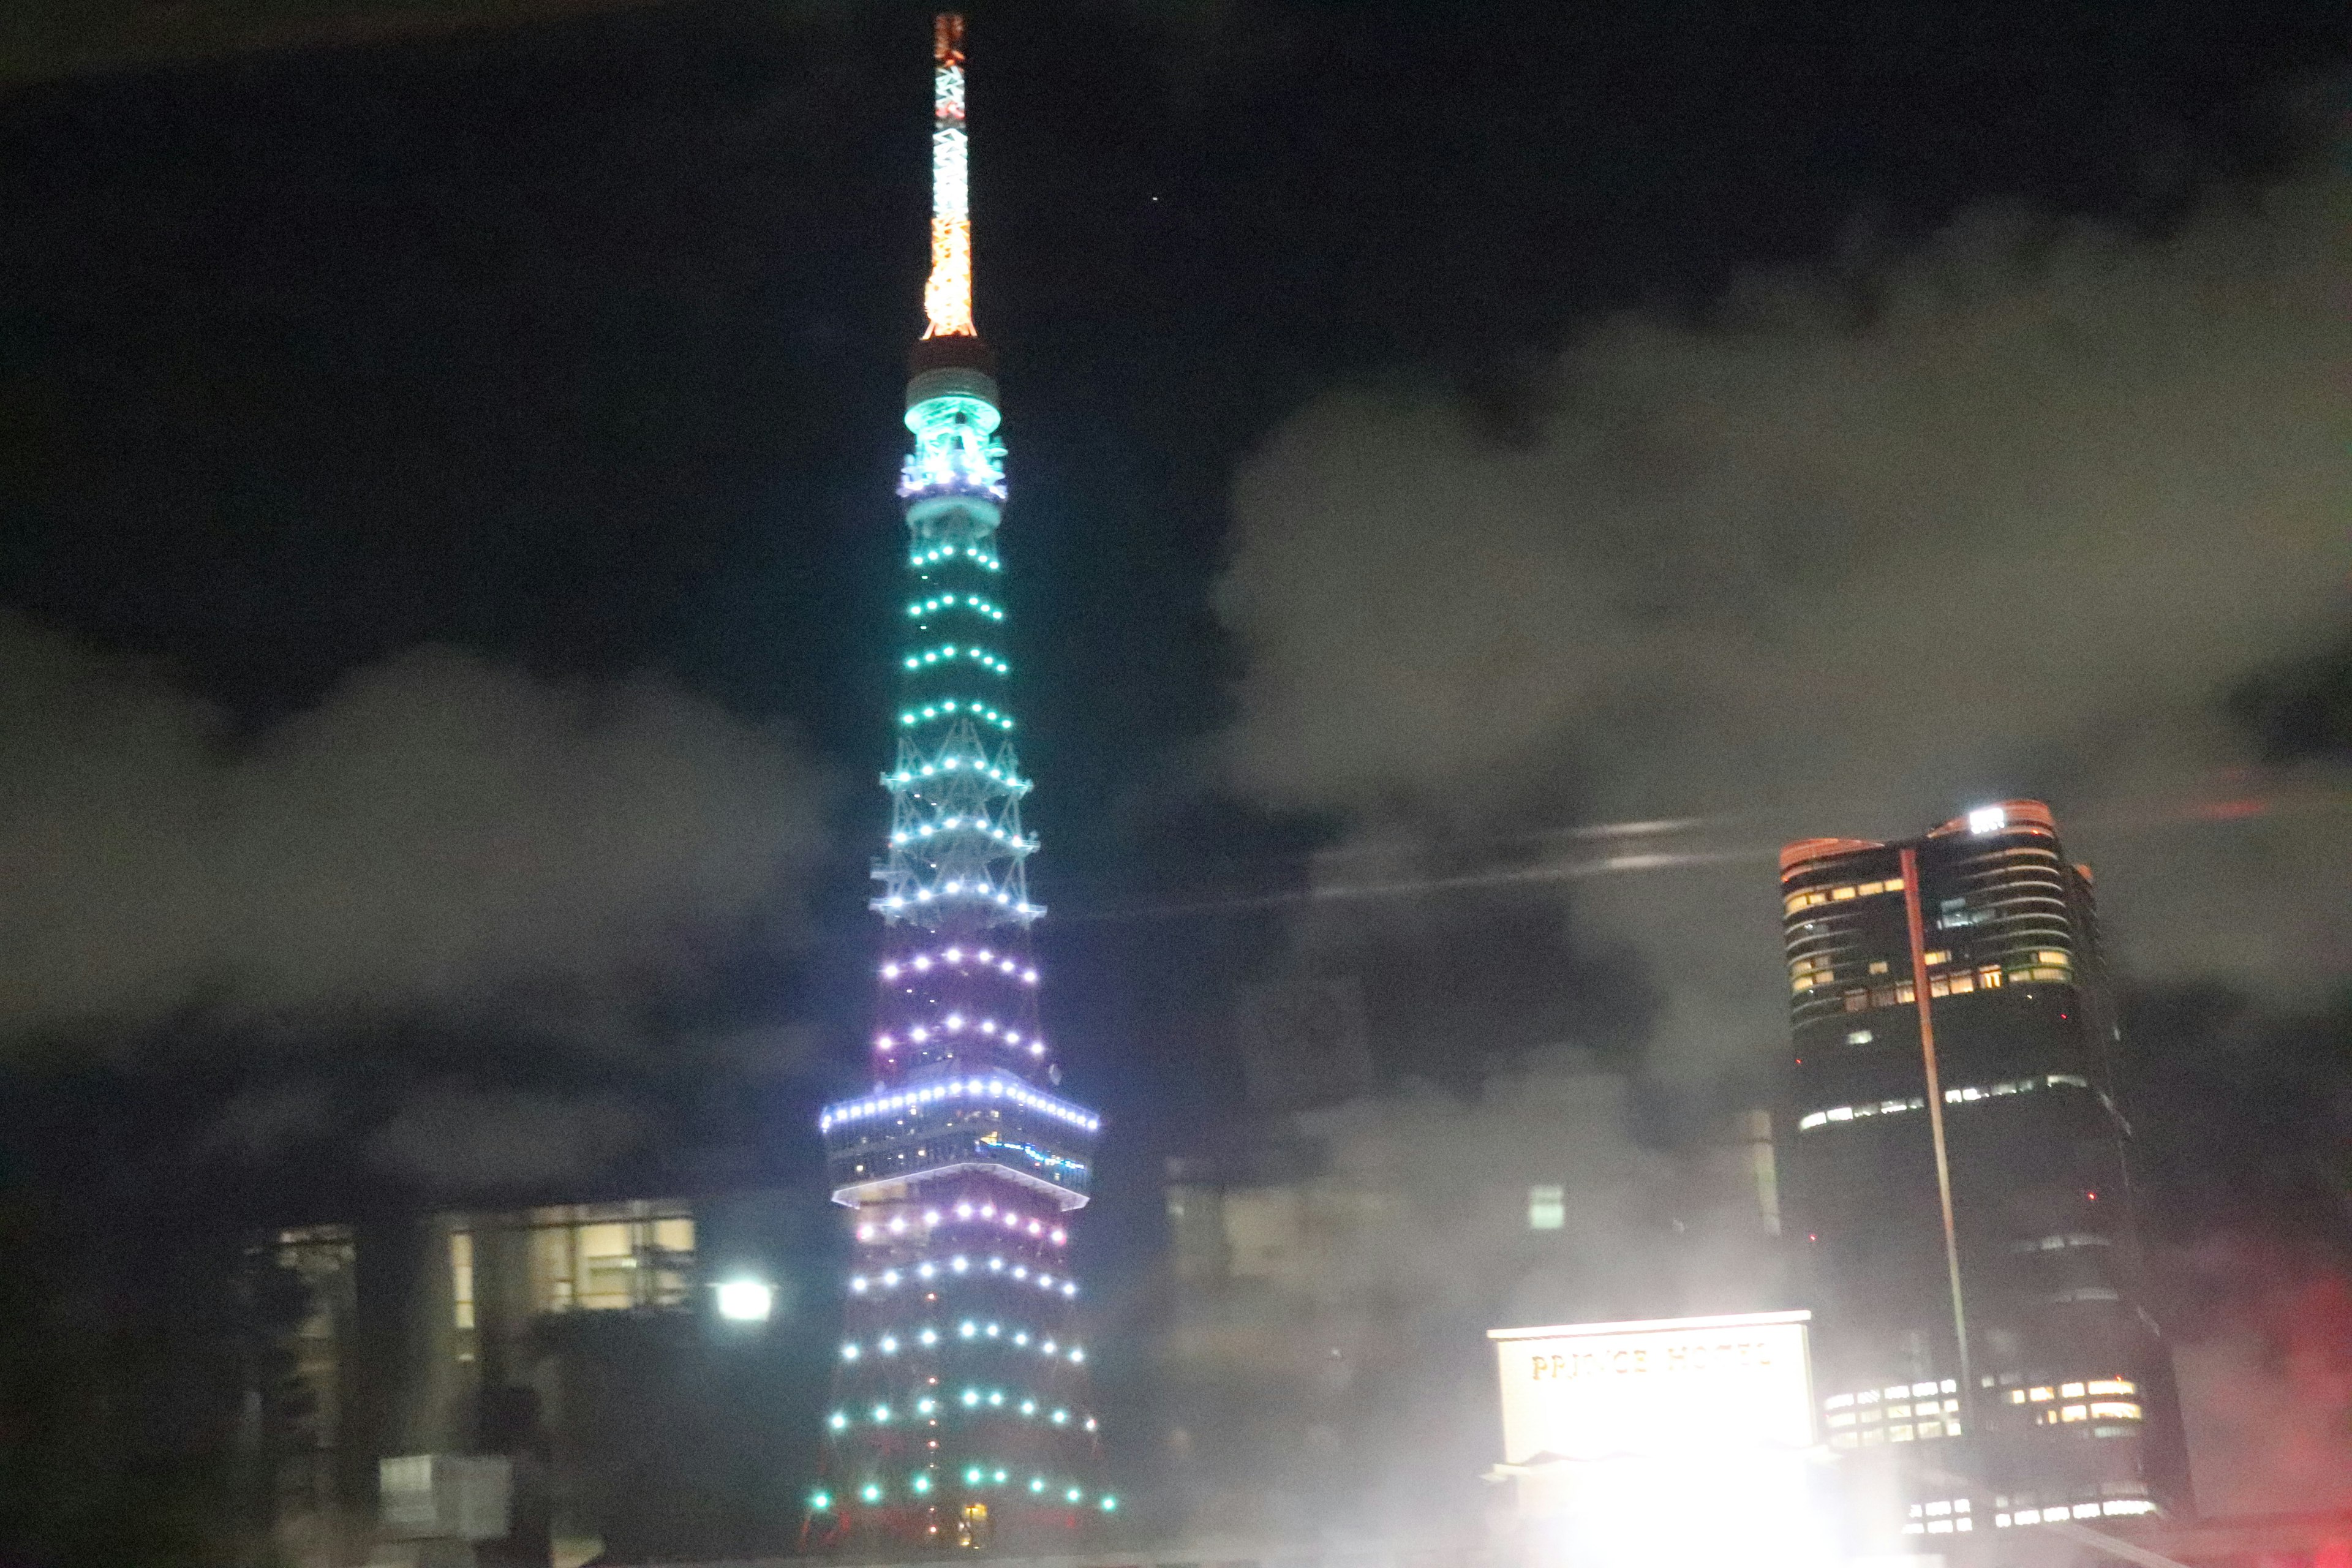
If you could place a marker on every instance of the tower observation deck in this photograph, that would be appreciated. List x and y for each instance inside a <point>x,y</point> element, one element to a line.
<point>960,1418</point>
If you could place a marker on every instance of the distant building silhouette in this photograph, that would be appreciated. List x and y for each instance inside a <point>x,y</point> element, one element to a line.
<point>1305,1042</point>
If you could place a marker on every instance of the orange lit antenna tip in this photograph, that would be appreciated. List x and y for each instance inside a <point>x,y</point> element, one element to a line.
<point>947,38</point>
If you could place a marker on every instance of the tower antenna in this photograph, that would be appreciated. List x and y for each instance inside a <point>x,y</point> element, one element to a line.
<point>947,297</point>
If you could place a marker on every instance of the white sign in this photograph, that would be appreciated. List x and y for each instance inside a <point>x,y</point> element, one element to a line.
<point>1608,1391</point>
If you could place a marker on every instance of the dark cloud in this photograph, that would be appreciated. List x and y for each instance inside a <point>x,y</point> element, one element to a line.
<point>454,1137</point>
<point>441,835</point>
<point>75,38</point>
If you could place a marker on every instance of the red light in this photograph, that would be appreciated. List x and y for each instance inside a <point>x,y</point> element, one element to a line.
<point>2093,1197</point>
<point>1813,1235</point>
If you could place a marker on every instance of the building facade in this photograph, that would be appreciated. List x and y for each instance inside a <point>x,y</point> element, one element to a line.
<point>633,1359</point>
<point>1999,1370</point>
<point>961,1416</point>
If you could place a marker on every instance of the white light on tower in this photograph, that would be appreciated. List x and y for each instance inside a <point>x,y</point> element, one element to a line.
<point>1988,819</point>
<point>746,1300</point>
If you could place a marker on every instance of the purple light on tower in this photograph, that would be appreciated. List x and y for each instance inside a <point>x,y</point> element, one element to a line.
<point>960,1416</point>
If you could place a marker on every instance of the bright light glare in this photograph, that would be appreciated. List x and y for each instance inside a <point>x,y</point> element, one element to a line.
<point>1988,819</point>
<point>746,1300</point>
<point>1754,1510</point>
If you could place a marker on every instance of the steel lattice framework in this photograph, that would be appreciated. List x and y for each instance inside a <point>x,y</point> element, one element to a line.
<point>960,1418</point>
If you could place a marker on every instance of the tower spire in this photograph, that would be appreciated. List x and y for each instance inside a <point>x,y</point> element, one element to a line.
<point>947,298</point>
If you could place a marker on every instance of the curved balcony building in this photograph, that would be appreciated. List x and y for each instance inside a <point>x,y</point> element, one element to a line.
<point>2061,1402</point>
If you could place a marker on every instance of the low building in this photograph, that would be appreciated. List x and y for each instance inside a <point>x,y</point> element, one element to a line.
<point>638,1358</point>
<point>1333,1272</point>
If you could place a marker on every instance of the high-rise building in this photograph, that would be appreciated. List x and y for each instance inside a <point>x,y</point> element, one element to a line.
<point>960,1417</point>
<point>1958,1182</point>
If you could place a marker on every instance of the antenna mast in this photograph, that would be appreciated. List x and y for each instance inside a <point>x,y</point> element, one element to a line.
<point>947,297</point>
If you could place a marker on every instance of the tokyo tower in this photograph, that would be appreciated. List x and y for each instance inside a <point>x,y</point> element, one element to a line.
<point>960,1417</point>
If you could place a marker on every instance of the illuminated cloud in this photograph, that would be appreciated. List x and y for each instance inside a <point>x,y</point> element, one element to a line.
<point>441,835</point>
<point>2009,516</point>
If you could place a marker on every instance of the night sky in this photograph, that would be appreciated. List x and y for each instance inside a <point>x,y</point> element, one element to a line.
<point>450,557</point>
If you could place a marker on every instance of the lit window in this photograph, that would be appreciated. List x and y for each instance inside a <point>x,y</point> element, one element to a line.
<point>1941,955</point>
<point>461,1276</point>
<point>2113,1384</point>
<point>611,1256</point>
<point>1546,1207</point>
<point>2072,1413</point>
<point>2070,1390</point>
<point>1878,967</point>
<point>1990,979</point>
<point>2048,956</point>
<point>2039,1395</point>
<point>1858,1037</point>
<point>1842,893</point>
<point>2017,1397</point>
<point>2115,1409</point>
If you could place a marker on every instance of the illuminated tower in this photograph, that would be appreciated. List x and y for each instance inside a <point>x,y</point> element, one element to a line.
<point>960,1416</point>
